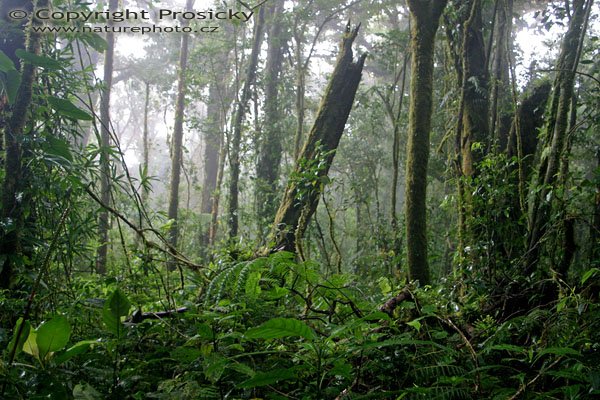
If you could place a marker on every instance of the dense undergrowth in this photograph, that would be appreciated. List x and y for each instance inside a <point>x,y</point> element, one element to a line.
<point>274,328</point>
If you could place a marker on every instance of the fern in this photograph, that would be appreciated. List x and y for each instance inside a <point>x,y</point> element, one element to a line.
<point>231,281</point>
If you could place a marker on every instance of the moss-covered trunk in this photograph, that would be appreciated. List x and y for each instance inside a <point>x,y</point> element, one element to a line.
<point>474,91</point>
<point>306,183</point>
<point>103,221</point>
<point>270,147</point>
<point>553,137</point>
<point>176,145</point>
<point>425,20</point>
<point>240,112</point>
<point>11,233</point>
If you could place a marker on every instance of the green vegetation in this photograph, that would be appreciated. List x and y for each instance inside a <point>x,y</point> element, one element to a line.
<point>413,214</point>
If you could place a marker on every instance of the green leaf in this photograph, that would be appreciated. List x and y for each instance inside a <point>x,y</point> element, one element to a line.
<point>506,347</point>
<point>58,148</point>
<point>13,81</point>
<point>6,64</point>
<point>214,365</point>
<point>116,306</point>
<point>559,351</point>
<point>76,349</point>
<point>53,335</point>
<point>85,391</point>
<point>68,109</point>
<point>415,323</point>
<point>23,336</point>
<point>268,378</point>
<point>591,272</point>
<point>39,61</point>
<point>96,41</point>
<point>281,327</point>
<point>30,346</point>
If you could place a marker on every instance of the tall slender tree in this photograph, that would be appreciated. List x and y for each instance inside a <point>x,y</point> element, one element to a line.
<point>270,146</point>
<point>240,112</point>
<point>177,144</point>
<point>105,142</point>
<point>425,17</point>
<point>11,233</point>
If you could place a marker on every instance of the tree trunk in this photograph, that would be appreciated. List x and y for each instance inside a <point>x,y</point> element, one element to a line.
<point>146,141</point>
<point>103,222</point>
<point>300,89</point>
<point>270,148</point>
<point>553,139</point>
<point>500,94</point>
<point>213,138</point>
<point>474,91</point>
<point>306,183</point>
<point>11,235</point>
<point>176,146</point>
<point>234,151</point>
<point>424,24</point>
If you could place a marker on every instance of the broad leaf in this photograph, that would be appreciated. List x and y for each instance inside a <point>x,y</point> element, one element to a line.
<point>6,64</point>
<point>68,109</point>
<point>39,61</point>
<point>53,335</point>
<point>77,348</point>
<point>24,334</point>
<point>30,346</point>
<point>58,148</point>
<point>268,378</point>
<point>116,306</point>
<point>281,327</point>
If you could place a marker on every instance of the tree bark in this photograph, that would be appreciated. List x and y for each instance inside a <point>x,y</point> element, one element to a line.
<point>306,183</point>
<point>235,149</point>
<point>499,93</point>
<point>474,91</point>
<point>213,138</point>
<point>11,234</point>
<point>146,140</point>
<point>424,24</point>
<point>103,222</point>
<point>553,139</point>
<point>270,147</point>
<point>176,146</point>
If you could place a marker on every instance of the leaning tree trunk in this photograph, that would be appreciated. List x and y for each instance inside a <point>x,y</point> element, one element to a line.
<point>103,223</point>
<point>240,112</point>
<point>555,131</point>
<point>424,24</point>
<point>12,206</point>
<point>306,182</point>
<point>176,146</point>
<point>270,147</point>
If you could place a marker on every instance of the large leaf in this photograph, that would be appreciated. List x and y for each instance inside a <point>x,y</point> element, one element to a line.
<point>13,81</point>
<point>281,327</point>
<point>30,346</point>
<point>77,348</point>
<point>53,335</point>
<point>23,335</point>
<point>268,378</point>
<point>6,63</point>
<point>68,109</point>
<point>59,148</point>
<point>116,306</point>
<point>39,61</point>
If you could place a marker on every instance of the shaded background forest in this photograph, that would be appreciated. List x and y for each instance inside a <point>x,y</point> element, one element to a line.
<point>449,222</point>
